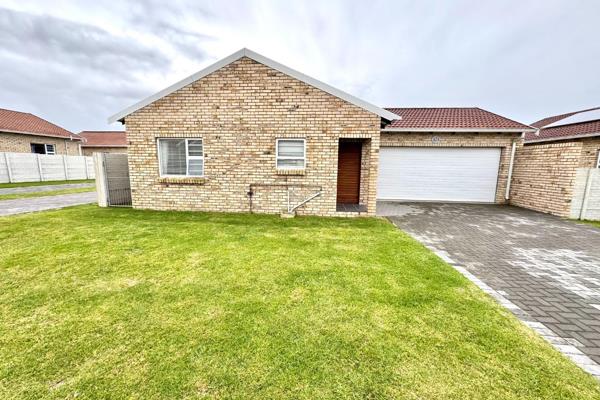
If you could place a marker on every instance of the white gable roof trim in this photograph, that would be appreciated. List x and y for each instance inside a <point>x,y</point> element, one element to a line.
<point>265,61</point>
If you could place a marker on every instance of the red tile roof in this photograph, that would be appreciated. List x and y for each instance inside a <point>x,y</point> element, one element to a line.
<point>451,118</point>
<point>20,122</point>
<point>103,139</point>
<point>563,131</point>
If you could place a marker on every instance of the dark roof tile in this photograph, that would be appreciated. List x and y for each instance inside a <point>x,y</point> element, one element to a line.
<point>451,118</point>
<point>103,139</point>
<point>20,122</point>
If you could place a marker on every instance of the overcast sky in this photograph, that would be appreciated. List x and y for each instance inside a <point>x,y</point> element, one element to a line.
<point>77,62</point>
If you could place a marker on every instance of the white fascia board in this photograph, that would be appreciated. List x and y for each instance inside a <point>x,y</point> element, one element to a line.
<point>390,116</point>
<point>473,130</point>
<point>176,86</point>
<point>269,63</point>
<point>558,138</point>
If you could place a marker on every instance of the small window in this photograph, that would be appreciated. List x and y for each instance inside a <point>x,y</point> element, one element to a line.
<point>41,148</point>
<point>598,161</point>
<point>181,157</point>
<point>38,148</point>
<point>291,153</point>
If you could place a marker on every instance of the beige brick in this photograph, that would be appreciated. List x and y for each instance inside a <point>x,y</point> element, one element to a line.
<point>545,174</point>
<point>19,143</point>
<point>239,111</point>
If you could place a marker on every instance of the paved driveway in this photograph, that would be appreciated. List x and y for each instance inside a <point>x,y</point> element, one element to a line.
<point>19,206</point>
<point>45,188</point>
<point>544,269</point>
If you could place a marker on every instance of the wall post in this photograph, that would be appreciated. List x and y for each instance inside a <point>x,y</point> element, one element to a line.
<point>100,171</point>
<point>586,194</point>
<point>8,169</point>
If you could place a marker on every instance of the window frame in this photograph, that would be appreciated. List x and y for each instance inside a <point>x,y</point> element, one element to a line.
<point>277,157</point>
<point>187,157</point>
<point>32,146</point>
<point>48,152</point>
<point>598,160</point>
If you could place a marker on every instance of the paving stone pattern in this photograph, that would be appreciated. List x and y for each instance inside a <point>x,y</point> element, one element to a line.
<point>544,269</point>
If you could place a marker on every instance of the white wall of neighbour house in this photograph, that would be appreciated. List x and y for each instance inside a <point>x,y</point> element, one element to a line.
<point>586,195</point>
<point>29,167</point>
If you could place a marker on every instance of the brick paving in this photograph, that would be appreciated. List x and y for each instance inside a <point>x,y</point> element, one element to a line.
<point>544,269</point>
<point>19,206</point>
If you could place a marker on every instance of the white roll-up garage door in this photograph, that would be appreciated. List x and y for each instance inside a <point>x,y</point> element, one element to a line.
<point>438,174</point>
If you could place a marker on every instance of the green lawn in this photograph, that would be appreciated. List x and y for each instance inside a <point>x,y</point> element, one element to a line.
<point>46,193</point>
<point>594,223</point>
<point>26,184</point>
<point>120,303</point>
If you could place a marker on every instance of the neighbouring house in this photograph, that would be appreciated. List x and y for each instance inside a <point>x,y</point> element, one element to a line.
<point>103,142</point>
<point>555,160</point>
<point>27,133</point>
<point>249,134</point>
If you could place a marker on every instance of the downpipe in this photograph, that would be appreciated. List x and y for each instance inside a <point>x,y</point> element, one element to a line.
<point>510,169</point>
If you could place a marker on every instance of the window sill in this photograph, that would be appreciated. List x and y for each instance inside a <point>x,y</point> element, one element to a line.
<point>290,171</point>
<point>183,180</point>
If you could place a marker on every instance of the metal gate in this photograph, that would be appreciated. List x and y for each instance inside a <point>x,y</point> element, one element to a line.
<point>116,172</point>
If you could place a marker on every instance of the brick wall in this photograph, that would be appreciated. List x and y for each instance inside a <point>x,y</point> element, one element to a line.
<point>88,151</point>
<point>239,111</point>
<point>501,140</point>
<point>19,143</point>
<point>544,175</point>
<point>589,152</point>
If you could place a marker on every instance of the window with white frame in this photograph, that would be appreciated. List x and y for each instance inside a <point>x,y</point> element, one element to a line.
<point>181,157</point>
<point>598,160</point>
<point>41,148</point>
<point>291,153</point>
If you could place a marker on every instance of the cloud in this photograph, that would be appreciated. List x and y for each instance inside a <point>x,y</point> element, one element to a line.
<point>78,62</point>
<point>73,73</point>
<point>177,25</point>
<point>59,41</point>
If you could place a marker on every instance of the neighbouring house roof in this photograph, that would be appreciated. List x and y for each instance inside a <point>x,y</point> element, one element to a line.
<point>103,139</point>
<point>262,60</point>
<point>573,125</point>
<point>550,120</point>
<point>29,124</point>
<point>452,119</point>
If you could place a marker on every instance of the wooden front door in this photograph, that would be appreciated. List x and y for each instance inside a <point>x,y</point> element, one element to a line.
<point>348,178</point>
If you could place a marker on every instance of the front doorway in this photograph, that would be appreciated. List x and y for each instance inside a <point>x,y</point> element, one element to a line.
<point>348,178</point>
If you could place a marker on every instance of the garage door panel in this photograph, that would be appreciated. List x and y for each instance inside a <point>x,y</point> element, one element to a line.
<point>438,174</point>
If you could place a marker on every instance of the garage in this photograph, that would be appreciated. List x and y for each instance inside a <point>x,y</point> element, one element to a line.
<point>450,174</point>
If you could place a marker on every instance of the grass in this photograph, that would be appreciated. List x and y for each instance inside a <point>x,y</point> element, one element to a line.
<point>593,223</point>
<point>14,196</point>
<point>27,184</point>
<point>121,303</point>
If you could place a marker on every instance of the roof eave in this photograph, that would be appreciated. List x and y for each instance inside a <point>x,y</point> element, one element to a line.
<point>559,138</point>
<point>472,130</point>
<point>71,137</point>
<point>120,116</point>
